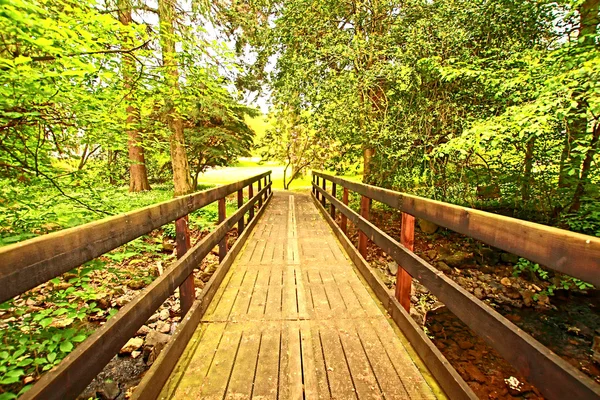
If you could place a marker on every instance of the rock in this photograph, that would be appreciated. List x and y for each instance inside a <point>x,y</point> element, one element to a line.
<point>164,314</point>
<point>474,374</point>
<point>135,354</point>
<point>505,281</point>
<point>136,284</point>
<point>393,268</point>
<point>509,258</point>
<point>109,391</point>
<point>478,293</point>
<point>167,246</point>
<point>596,350</point>
<point>427,227</point>
<point>459,259</point>
<point>198,283</point>
<point>156,339</point>
<point>465,344</point>
<point>442,266</point>
<point>527,297</point>
<point>143,331</point>
<point>488,256</point>
<point>153,318</point>
<point>416,316</point>
<point>131,345</point>
<point>431,254</point>
<point>163,327</point>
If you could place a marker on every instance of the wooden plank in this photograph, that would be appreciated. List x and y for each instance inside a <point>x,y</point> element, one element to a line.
<point>266,382</point>
<point>190,384</point>
<point>222,217</point>
<point>363,377</point>
<point>344,219</point>
<point>552,375</point>
<point>27,264</point>
<point>158,374</point>
<point>290,382</point>
<point>333,193</point>
<point>242,376</point>
<point>362,237</point>
<point>338,374</point>
<point>217,380</point>
<point>454,386</point>
<point>240,202</point>
<point>567,252</point>
<point>187,292</point>
<point>73,374</point>
<point>313,365</point>
<point>403,278</point>
<point>274,300</point>
<point>387,377</point>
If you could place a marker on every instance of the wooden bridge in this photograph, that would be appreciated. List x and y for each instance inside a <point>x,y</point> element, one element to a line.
<point>294,310</point>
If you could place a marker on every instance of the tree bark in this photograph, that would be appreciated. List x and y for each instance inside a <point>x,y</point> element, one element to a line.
<point>577,129</point>
<point>585,170</point>
<point>527,182</point>
<point>138,175</point>
<point>179,161</point>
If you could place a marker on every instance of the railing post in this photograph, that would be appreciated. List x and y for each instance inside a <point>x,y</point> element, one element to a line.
<point>271,184</point>
<point>333,193</point>
<point>250,196</point>
<point>267,191</point>
<point>187,292</point>
<point>260,199</point>
<point>314,191</point>
<point>362,238</point>
<point>223,242</point>
<point>240,198</point>
<point>403,278</point>
<point>324,189</point>
<point>344,222</point>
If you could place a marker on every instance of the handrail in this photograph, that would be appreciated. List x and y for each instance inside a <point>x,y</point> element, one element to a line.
<point>29,263</point>
<point>553,376</point>
<point>73,374</point>
<point>567,252</point>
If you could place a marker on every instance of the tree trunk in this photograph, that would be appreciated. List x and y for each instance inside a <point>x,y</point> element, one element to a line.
<point>179,161</point>
<point>138,175</point>
<point>585,170</point>
<point>527,182</point>
<point>367,160</point>
<point>571,169</point>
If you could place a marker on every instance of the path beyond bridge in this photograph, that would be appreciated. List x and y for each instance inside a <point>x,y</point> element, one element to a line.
<point>292,319</point>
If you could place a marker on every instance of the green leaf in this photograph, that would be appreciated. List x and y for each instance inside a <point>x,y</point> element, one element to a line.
<point>51,357</point>
<point>66,347</point>
<point>46,321</point>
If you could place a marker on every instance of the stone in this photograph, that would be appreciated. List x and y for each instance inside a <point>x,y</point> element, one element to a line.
<point>164,314</point>
<point>143,331</point>
<point>131,345</point>
<point>109,391</point>
<point>167,246</point>
<point>156,339</point>
<point>442,266</point>
<point>135,284</point>
<point>474,374</point>
<point>460,259</point>
<point>431,254</point>
<point>478,293</point>
<point>488,256</point>
<point>164,327</point>
<point>596,350</point>
<point>393,268</point>
<point>509,258</point>
<point>428,228</point>
<point>135,354</point>
<point>527,297</point>
<point>505,281</point>
<point>465,344</point>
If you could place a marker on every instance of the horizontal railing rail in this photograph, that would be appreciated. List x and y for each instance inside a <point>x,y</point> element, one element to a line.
<point>81,366</point>
<point>553,376</point>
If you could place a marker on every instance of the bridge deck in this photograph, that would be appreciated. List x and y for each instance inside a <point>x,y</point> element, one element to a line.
<point>292,319</point>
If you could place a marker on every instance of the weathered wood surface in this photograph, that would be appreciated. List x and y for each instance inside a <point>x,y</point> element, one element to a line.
<point>567,252</point>
<point>293,320</point>
<point>25,265</point>
<point>72,375</point>
<point>552,375</point>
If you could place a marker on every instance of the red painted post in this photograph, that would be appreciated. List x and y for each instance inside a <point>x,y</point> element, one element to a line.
<point>250,196</point>
<point>324,189</point>
<point>223,242</point>
<point>240,198</point>
<point>333,193</point>
<point>344,223</point>
<point>187,293</point>
<point>362,238</point>
<point>403,278</point>
<point>260,199</point>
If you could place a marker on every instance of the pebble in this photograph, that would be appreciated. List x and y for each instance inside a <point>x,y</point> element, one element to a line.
<point>131,345</point>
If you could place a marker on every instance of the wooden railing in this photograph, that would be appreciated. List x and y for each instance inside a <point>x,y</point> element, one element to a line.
<point>566,252</point>
<point>25,265</point>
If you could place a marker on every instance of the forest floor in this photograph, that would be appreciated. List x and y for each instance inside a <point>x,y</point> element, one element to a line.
<point>565,320</point>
